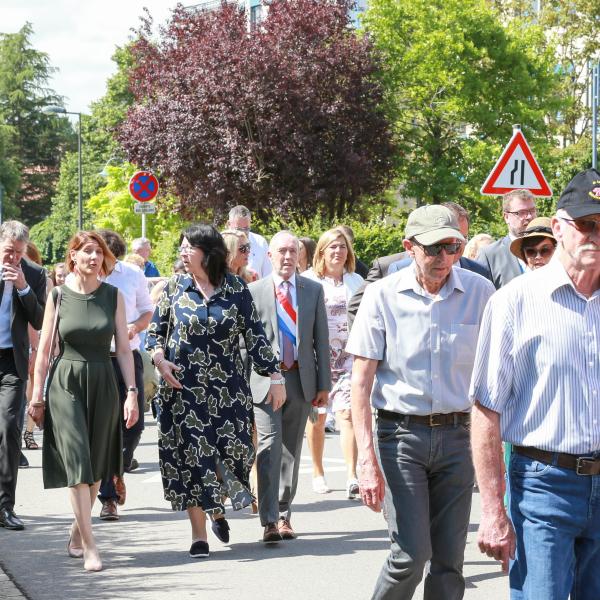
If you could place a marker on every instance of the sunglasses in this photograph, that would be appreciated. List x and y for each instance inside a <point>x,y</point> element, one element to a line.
<point>435,249</point>
<point>544,252</point>
<point>586,226</point>
<point>244,248</point>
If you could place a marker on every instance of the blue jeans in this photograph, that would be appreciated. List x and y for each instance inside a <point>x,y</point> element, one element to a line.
<point>556,516</point>
<point>428,487</point>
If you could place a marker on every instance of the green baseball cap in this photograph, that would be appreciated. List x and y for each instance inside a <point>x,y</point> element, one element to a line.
<point>431,224</point>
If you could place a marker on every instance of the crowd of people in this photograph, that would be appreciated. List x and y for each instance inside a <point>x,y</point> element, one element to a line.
<point>449,362</point>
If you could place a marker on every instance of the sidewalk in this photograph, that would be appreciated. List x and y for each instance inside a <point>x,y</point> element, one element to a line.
<point>338,554</point>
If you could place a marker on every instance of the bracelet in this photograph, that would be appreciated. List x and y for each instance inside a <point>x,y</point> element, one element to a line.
<point>160,362</point>
<point>132,388</point>
<point>278,381</point>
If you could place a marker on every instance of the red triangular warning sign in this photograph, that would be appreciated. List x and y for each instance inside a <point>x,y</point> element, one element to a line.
<point>516,169</point>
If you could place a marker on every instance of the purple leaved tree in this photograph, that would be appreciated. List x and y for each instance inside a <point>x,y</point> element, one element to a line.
<point>285,118</point>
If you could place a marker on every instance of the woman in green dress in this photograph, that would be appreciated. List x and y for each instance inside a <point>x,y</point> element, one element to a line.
<point>82,439</point>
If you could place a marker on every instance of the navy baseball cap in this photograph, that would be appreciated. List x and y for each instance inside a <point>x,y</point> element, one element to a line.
<point>581,197</point>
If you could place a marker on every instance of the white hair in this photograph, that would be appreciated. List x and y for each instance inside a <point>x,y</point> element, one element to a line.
<point>281,234</point>
<point>139,243</point>
<point>14,230</point>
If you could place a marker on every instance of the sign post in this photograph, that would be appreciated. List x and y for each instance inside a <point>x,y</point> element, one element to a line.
<point>516,169</point>
<point>143,187</point>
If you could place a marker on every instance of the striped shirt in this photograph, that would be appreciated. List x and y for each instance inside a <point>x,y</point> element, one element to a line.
<point>538,362</point>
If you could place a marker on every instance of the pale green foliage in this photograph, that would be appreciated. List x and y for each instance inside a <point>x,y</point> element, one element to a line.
<point>456,81</point>
<point>112,208</point>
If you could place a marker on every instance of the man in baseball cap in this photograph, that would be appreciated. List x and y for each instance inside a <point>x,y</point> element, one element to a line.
<point>536,385</point>
<point>413,343</point>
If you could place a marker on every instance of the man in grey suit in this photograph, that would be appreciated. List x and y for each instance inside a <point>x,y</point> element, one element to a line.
<point>292,311</point>
<point>22,302</point>
<point>518,210</point>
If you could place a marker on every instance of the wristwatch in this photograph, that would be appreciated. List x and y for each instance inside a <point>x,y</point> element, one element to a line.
<point>278,381</point>
<point>131,388</point>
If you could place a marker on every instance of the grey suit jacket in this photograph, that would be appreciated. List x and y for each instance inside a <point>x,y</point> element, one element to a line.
<point>312,335</point>
<point>502,263</point>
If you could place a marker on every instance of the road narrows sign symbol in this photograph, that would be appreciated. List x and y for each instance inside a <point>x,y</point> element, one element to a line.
<point>143,186</point>
<point>516,169</point>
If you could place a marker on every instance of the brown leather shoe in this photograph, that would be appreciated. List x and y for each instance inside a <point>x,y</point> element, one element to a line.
<point>109,511</point>
<point>285,529</point>
<point>271,534</point>
<point>120,489</point>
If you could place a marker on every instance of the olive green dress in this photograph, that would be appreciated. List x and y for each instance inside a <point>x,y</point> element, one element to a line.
<point>82,436</point>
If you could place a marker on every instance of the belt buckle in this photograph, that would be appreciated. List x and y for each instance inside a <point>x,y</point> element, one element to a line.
<point>432,422</point>
<point>581,462</point>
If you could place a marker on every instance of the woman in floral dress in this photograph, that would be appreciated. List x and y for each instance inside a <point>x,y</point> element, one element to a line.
<point>206,417</point>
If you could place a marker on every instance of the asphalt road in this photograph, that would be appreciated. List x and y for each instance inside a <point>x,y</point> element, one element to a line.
<point>340,548</point>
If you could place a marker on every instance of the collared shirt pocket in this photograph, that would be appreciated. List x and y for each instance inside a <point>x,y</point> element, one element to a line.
<point>463,342</point>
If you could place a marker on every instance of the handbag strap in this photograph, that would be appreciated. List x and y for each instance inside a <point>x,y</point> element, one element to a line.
<point>55,324</point>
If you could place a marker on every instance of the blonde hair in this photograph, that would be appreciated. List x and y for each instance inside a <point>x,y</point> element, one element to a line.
<point>135,259</point>
<point>325,240</point>
<point>475,244</point>
<point>233,239</point>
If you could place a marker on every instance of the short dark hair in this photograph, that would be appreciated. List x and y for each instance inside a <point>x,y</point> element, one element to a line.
<point>116,244</point>
<point>310,246</point>
<point>460,212</point>
<point>210,241</point>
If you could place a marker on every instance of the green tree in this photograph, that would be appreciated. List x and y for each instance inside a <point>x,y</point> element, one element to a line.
<point>572,29</point>
<point>36,141</point>
<point>456,81</point>
<point>99,148</point>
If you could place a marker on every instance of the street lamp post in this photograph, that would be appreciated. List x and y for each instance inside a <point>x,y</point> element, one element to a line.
<point>59,110</point>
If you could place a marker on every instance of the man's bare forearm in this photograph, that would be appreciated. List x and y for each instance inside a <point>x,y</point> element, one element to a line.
<point>488,458</point>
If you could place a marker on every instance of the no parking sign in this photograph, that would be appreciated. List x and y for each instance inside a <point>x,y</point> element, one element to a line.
<point>143,186</point>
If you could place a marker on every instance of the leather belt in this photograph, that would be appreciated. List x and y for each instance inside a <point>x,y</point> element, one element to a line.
<point>294,367</point>
<point>582,465</point>
<point>435,420</point>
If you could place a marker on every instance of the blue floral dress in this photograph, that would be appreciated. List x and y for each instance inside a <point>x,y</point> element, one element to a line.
<point>205,429</point>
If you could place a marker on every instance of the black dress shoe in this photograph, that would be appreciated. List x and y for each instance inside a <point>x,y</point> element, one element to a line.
<point>220,528</point>
<point>9,520</point>
<point>23,462</point>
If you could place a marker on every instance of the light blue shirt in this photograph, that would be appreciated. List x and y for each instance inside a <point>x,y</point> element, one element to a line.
<point>6,313</point>
<point>538,362</point>
<point>425,343</point>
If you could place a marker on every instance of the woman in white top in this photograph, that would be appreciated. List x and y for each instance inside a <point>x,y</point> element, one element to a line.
<point>333,267</point>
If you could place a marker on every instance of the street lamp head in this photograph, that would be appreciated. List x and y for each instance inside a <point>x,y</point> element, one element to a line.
<point>54,109</point>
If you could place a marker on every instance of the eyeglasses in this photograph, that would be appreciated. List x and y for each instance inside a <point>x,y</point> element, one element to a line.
<point>524,213</point>
<point>186,249</point>
<point>244,248</point>
<point>585,226</point>
<point>435,249</point>
<point>543,252</point>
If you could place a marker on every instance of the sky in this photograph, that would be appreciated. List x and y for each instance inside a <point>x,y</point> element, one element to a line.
<point>80,36</point>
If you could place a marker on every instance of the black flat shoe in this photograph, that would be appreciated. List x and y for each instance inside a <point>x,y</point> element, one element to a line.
<point>199,549</point>
<point>220,528</point>
<point>9,520</point>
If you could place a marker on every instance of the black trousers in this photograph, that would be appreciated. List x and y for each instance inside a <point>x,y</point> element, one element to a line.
<point>12,398</point>
<point>131,437</point>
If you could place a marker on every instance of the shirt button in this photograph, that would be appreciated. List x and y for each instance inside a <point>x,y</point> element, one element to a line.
<point>591,363</point>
